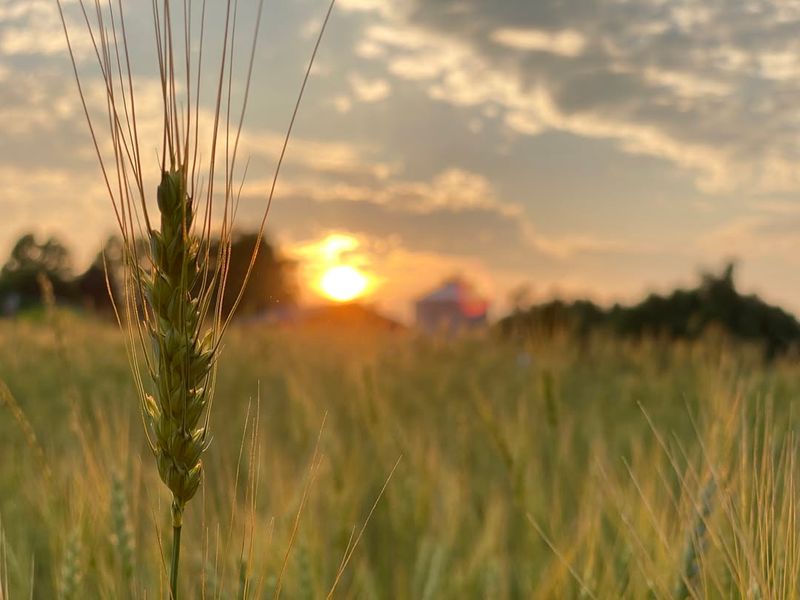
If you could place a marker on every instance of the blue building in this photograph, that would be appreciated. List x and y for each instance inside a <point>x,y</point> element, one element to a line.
<point>452,307</point>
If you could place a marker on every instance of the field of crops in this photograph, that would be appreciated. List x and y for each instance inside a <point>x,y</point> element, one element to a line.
<point>555,470</point>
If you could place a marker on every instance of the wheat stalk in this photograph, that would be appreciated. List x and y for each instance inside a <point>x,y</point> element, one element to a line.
<point>695,544</point>
<point>7,399</point>
<point>169,290</point>
<point>122,538</point>
<point>173,323</point>
<point>3,565</point>
<point>71,568</point>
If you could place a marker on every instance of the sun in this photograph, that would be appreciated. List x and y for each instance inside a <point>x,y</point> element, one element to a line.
<point>343,283</point>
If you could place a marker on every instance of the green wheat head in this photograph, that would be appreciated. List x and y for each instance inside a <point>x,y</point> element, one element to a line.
<point>183,352</point>
<point>172,278</point>
<point>169,309</point>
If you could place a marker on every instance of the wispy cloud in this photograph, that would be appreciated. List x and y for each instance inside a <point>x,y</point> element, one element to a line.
<point>33,28</point>
<point>564,43</point>
<point>369,90</point>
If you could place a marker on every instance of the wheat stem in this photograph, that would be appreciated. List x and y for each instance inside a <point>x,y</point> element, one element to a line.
<point>174,563</point>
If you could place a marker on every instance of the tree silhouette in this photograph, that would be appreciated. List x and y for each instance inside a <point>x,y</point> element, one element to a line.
<point>271,282</point>
<point>683,314</point>
<point>28,260</point>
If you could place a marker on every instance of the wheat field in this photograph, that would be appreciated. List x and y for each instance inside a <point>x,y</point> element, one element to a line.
<point>558,469</point>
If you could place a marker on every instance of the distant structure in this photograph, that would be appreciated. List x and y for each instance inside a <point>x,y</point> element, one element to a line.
<point>454,306</point>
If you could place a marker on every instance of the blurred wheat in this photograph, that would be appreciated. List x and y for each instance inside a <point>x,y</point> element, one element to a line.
<point>620,483</point>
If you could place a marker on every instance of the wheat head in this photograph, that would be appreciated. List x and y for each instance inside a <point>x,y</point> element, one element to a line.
<point>170,313</point>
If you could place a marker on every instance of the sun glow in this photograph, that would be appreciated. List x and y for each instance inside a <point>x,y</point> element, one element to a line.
<point>343,283</point>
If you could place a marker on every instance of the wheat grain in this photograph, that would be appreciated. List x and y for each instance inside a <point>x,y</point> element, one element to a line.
<point>120,521</point>
<point>71,567</point>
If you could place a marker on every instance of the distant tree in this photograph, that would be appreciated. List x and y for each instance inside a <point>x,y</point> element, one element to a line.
<point>110,258</point>
<point>555,316</point>
<point>106,272</point>
<point>28,260</point>
<point>271,282</point>
<point>91,289</point>
<point>520,298</point>
<point>103,275</point>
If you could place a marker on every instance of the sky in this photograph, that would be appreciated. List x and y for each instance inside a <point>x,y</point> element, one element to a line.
<point>604,149</point>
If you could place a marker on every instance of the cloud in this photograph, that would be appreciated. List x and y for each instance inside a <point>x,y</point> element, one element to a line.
<point>453,190</point>
<point>343,104</point>
<point>455,212</point>
<point>18,40</point>
<point>708,87</point>
<point>367,49</point>
<point>349,163</point>
<point>563,43</point>
<point>369,90</point>
<point>55,201</point>
<point>36,103</point>
<point>770,235</point>
<point>569,246</point>
<point>382,6</point>
<point>33,28</point>
<point>494,237</point>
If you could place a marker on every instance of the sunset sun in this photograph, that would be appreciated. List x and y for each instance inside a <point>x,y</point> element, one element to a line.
<point>343,283</point>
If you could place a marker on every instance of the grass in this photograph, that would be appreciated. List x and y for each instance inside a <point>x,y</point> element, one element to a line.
<point>601,469</point>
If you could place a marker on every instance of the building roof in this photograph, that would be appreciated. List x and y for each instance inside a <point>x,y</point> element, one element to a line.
<point>460,292</point>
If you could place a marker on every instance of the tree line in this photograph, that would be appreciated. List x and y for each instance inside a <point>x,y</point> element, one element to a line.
<point>714,303</point>
<point>272,282</point>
